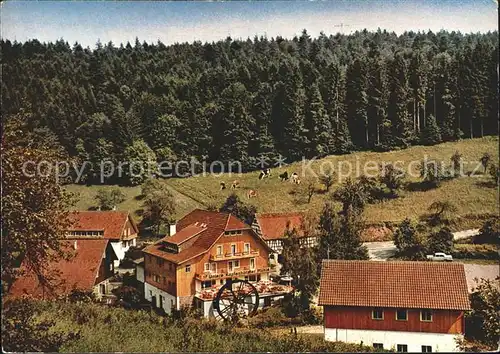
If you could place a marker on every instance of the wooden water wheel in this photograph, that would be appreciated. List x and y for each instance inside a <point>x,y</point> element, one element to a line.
<point>236,299</point>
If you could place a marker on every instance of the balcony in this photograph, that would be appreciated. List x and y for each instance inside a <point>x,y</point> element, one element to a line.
<point>264,288</point>
<point>236,272</point>
<point>237,255</point>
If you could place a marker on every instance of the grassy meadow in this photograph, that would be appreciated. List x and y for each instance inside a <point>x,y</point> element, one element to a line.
<point>473,196</point>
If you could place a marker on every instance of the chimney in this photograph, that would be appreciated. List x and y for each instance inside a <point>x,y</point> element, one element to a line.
<point>172,229</point>
<point>75,245</point>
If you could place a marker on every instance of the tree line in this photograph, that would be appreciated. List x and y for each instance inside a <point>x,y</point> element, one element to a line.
<point>240,100</point>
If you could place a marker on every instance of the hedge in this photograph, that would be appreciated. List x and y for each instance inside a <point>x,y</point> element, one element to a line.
<point>485,251</point>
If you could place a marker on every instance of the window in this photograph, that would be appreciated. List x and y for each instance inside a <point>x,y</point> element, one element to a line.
<point>377,314</point>
<point>252,278</point>
<point>378,345</point>
<point>207,267</point>
<point>401,315</point>
<point>156,278</point>
<point>206,284</point>
<point>246,248</point>
<point>233,264</point>
<point>426,316</point>
<point>426,349</point>
<point>252,263</point>
<point>402,348</point>
<point>219,250</point>
<point>188,268</point>
<point>213,267</point>
<point>233,248</point>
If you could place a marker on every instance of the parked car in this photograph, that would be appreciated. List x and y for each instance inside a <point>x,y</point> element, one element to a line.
<point>440,256</point>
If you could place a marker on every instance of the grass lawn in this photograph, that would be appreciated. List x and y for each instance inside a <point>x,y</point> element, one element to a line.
<point>472,196</point>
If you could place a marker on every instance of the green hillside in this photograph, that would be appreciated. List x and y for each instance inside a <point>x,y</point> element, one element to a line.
<point>472,196</point>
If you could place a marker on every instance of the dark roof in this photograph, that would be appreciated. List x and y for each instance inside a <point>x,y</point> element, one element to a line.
<point>394,284</point>
<point>273,225</point>
<point>79,272</point>
<point>111,222</point>
<point>198,230</point>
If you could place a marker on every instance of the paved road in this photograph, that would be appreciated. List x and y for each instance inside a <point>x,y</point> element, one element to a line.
<point>381,251</point>
<point>478,271</point>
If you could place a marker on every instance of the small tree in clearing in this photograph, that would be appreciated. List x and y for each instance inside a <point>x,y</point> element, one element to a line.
<point>407,241</point>
<point>243,211</point>
<point>441,241</point>
<point>352,195</point>
<point>109,199</point>
<point>432,172</point>
<point>299,263</point>
<point>392,177</point>
<point>495,174</point>
<point>327,179</point>
<point>441,211</point>
<point>159,205</point>
<point>485,161</point>
<point>456,164</point>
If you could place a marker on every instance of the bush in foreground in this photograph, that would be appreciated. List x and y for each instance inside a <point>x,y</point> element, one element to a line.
<point>118,330</point>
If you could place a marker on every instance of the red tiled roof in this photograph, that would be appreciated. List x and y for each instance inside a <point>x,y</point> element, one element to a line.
<point>111,222</point>
<point>202,237</point>
<point>400,284</point>
<point>273,225</point>
<point>79,272</point>
<point>235,224</point>
<point>186,233</point>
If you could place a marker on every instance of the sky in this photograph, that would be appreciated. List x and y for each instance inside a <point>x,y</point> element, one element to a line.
<point>120,21</point>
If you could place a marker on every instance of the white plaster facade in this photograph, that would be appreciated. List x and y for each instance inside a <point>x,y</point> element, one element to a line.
<point>139,273</point>
<point>439,342</point>
<point>120,248</point>
<point>163,299</point>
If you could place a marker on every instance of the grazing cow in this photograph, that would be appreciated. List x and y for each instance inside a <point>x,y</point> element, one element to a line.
<point>297,181</point>
<point>251,194</point>
<point>236,184</point>
<point>295,177</point>
<point>284,176</point>
<point>265,173</point>
<point>222,185</point>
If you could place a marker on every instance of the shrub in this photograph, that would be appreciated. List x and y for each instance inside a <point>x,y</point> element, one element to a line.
<point>485,251</point>
<point>489,233</point>
<point>23,332</point>
<point>483,322</point>
<point>269,317</point>
<point>78,295</point>
<point>441,241</point>
<point>128,294</point>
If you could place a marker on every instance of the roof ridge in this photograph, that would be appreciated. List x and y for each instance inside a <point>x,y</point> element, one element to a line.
<point>285,213</point>
<point>367,261</point>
